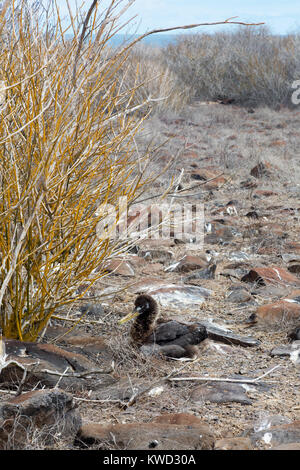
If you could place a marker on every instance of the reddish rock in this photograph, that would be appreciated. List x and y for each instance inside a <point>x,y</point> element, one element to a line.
<point>278,311</point>
<point>120,267</point>
<point>204,174</point>
<point>233,443</point>
<point>145,436</point>
<point>189,263</point>
<point>45,414</point>
<point>261,169</point>
<point>264,193</point>
<point>191,154</point>
<point>271,275</point>
<point>278,143</point>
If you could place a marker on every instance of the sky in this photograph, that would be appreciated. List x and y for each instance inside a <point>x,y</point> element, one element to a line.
<point>281,17</point>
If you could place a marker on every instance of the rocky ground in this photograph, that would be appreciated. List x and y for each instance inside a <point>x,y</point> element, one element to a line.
<point>243,168</point>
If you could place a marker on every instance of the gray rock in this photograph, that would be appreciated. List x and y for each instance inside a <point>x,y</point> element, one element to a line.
<point>276,435</point>
<point>238,295</point>
<point>47,363</point>
<point>216,332</point>
<point>220,392</point>
<point>41,416</point>
<point>95,310</point>
<point>291,350</point>
<point>206,273</point>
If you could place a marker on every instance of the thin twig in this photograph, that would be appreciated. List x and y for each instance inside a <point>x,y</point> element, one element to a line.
<point>180,190</point>
<point>137,395</point>
<point>80,374</point>
<point>62,375</point>
<point>220,379</point>
<point>84,28</point>
<point>107,400</point>
<point>74,320</point>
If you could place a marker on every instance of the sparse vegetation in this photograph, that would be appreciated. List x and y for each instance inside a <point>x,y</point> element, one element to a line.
<point>66,142</point>
<point>250,65</point>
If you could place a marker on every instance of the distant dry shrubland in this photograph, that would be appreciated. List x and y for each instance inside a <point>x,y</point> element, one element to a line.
<point>249,65</point>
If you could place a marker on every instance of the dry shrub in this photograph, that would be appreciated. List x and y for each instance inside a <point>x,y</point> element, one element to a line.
<point>249,65</point>
<point>146,71</point>
<point>67,132</point>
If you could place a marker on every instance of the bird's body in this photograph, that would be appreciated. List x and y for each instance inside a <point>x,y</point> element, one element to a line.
<point>171,338</point>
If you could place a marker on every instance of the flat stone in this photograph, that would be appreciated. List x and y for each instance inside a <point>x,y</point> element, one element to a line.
<point>145,436</point>
<point>290,257</point>
<point>48,363</point>
<point>238,295</point>
<point>217,347</point>
<point>278,435</point>
<point>219,333</point>
<point>220,392</point>
<point>120,267</point>
<point>205,273</point>
<point>51,412</point>
<point>283,310</point>
<point>238,256</point>
<point>271,275</point>
<point>175,295</point>
<point>189,263</point>
<point>233,443</point>
<point>291,350</point>
<point>290,446</point>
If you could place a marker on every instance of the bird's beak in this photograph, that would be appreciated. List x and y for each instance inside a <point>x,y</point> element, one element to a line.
<point>128,317</point>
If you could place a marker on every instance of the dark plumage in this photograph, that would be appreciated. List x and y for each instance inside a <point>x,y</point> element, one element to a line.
<point>171,338</point>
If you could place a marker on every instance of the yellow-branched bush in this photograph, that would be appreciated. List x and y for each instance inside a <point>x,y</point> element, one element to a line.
<point>66,130</point>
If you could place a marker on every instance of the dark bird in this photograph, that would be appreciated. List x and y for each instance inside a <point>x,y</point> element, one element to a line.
<point>171,338</point>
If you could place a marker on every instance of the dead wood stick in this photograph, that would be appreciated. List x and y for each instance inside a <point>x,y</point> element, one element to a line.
<point>74,320</point>
<point>106,400</point>
<point>79,374</point>
<point>138,394</point>
<point>220,379</point>
<point>180,190</point>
